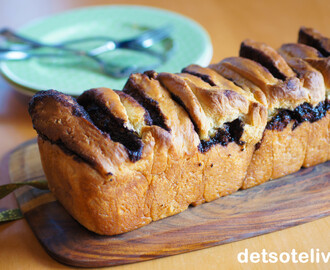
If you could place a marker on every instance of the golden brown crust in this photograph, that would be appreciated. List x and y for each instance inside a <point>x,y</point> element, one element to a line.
<point>314,38</point>
<point>256,116</point>
<point>323,65</point>
<point>220,106</point>
<point>210,106</point>
<point>311,56</point>
<point>302,57</point>
<point>251,70</point>
<point>118,105</point>
<point>268,57</point>
<point>225,70</point>
<point>215,79</point>
<point>289,154</point>
<point>317,149</point>
<point>110,99</point>
<point>299,50</point>
<point>258,75</point>
<point>281,67</point>
<point>180,89</point>
<point>311,79</point>
<point>176,118</point>
<point>106,206</point>
<point>277,155</point>
<point>60,119</point>
<point>261,165</point>
<point>230,165</point>
<point>308,54</point>
<point>286,94</point>
<point>137,116</point>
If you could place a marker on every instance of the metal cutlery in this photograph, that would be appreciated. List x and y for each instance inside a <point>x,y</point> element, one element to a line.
<point>144,40</point>
<point>140,43</point>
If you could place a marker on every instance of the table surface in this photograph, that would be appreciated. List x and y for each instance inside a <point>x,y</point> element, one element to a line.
<point>228,23</point>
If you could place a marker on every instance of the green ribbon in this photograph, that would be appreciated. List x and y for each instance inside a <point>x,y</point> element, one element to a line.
<point>10,215</point>
<point>14,214</point>
<point>9,188</point>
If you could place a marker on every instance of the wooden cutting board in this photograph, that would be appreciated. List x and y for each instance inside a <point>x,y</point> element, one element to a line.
<point>275,205</point>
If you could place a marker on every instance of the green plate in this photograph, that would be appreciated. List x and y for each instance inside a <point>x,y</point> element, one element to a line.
<point>75,75</point>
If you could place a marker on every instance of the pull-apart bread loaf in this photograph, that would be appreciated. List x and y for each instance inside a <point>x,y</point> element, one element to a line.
<point>118,160</point>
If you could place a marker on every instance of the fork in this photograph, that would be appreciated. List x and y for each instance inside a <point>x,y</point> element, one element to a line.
<point>107,68</point>
<point>144,40</point>
<point>140,43</point>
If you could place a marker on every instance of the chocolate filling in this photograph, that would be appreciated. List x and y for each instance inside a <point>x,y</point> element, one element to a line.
<point>206,78</point>
<point>151,105</point>
<point>107,122</point>
<point>260,57</point>
<point>257,146</point>
<point>302,113</point>
<point>231,132</point>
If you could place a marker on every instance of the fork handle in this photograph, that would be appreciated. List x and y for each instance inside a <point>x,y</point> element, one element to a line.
<point>13,36</point>
<point>21,55</point>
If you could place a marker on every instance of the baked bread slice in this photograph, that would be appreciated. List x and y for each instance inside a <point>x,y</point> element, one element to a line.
<point>317,57</point>
<point>118,160</point>
<point>321,63</point>
<point>268,161</point>
<point>288,98</point>
<point>229,123</point>
<point>297,56</point>
<point>92,176</point>
<point>312,112</point>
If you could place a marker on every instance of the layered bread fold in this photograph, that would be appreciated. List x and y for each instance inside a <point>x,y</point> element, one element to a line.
<point>117,160</point>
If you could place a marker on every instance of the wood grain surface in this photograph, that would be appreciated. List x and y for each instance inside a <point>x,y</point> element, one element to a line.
<point>228,23</point>
<point>275,205</point>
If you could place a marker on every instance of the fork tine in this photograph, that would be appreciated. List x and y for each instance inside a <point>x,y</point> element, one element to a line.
<point>156,34</point>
